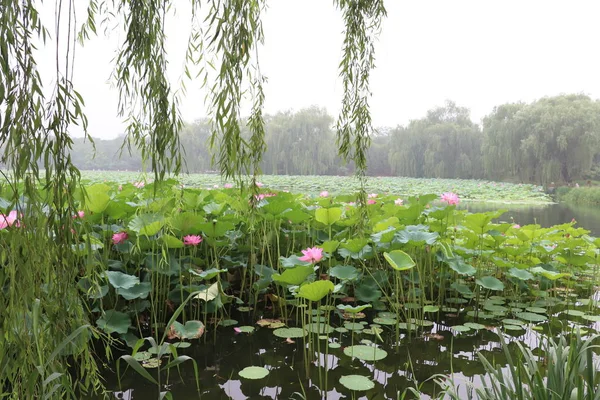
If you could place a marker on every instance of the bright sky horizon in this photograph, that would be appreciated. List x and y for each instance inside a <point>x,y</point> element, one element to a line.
<point>479,54</point>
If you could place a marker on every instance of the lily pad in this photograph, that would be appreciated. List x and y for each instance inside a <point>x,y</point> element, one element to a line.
<point>474,325</point>
<point>365,353</point>
<point>290,333</point>
<point>319,328</point>
<point>461,328</point>
<point>254,372</point>
<point>431,309</point>
<point>531,317</point>
<point>270,323</point>
<point>357,382</point>
<point>246,329</point>
<point>151,363</point>
<point>537,310</point>
<point>575,313</point>
<point>228,322</point>
<point>385,321</point>
<point>334,345</point>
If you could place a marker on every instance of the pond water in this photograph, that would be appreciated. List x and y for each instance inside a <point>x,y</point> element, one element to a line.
<point>547,215</point>
<point>437,349</point>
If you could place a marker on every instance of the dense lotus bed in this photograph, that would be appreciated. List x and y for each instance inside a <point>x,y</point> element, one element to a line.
<point>270,293</point>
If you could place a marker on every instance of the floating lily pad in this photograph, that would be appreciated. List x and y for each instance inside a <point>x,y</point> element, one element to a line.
<point>228,322</point>
<point>357,382</point>
<point>334,345</point>
<point>531,317</point>
<point>319,318</point>
<point>270,323</point>
<point>431,309</point>
<point>246,329</point>
<point>575,313</point>
<point>495,308</point>
<point>509,321</point>
<point>319,328</point>
<point>151,363</point>
<point>474,325</point>
<point>593,318</point>
<point>254,372</point>
<point>366,341</point>
<point>244,309</point>
<point>365,353</point>
<point>290,333</point>
<point>353,326</point>
<point>456,300</point>
<point>191,330</point>
<point>386,314</point>
<point>421,322</point>
<point>142,355</point>
<point>513,327</point>
<point>181,345</point>
<point>341,329</point>
<point>461,328</point>
<point>385,321</point>
<point>372,331</point>
<point>537,310</point>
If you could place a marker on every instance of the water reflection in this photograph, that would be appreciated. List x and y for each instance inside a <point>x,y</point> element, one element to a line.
<point>546,215</point>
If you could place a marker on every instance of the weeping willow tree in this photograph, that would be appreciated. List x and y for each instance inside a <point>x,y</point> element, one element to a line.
<point>47,349</point>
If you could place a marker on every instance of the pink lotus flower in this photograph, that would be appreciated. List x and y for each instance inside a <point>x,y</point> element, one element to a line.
<point>139,184</point>
<point>516,226</point>
<point>228,185</point>
<point>9,220</point>
<point>119,238</point>
<point>312,254</point>
<point>260,184</point>
<point>237,330</point>
<point>450,198</point>
<point>324,193</point>
<point>80,214</point>
<point>371,201</point>
<point>398,202</point>
<point>120,188</point>
<point>259,197</point>
<point>372,195</point>
<point>192,240</point>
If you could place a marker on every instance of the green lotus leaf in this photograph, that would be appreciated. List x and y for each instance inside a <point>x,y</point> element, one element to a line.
<point>520,274</point>
<point>352,309</point>
<point>531,317</point>
<point>254,372</point>
<point>294,276</point>
<point>399,260</point>
<point>432,309</point>
<point>114,321</point>
<point>290,333</point>
<point>328,216</point>
<point>137,291</point>
<point>344,272</point>
<point>191,330</point>
<point>172,242</point>
<point>148,224</point>
<point>357,383</point>
<point>459,266</point>
<point>491,283</point>
<point>119,280</point>
<point>365,353</point>
<point>315,291</point>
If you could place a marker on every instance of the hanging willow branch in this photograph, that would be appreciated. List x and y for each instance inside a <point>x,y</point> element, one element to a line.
<point>362,19</point>
<point>236,31</point>
<point>145,97</point>
<point>39,304</point>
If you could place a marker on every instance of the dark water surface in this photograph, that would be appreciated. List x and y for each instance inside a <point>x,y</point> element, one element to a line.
<point>587,217</point>
<point>435,350</point>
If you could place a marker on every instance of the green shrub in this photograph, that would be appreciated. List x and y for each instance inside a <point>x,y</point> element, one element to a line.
<point>582,195</point>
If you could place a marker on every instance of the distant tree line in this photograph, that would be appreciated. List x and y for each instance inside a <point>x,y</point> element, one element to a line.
<point>554,139</point>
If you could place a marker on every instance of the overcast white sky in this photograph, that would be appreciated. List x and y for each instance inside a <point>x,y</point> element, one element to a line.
<point>479,53</point>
